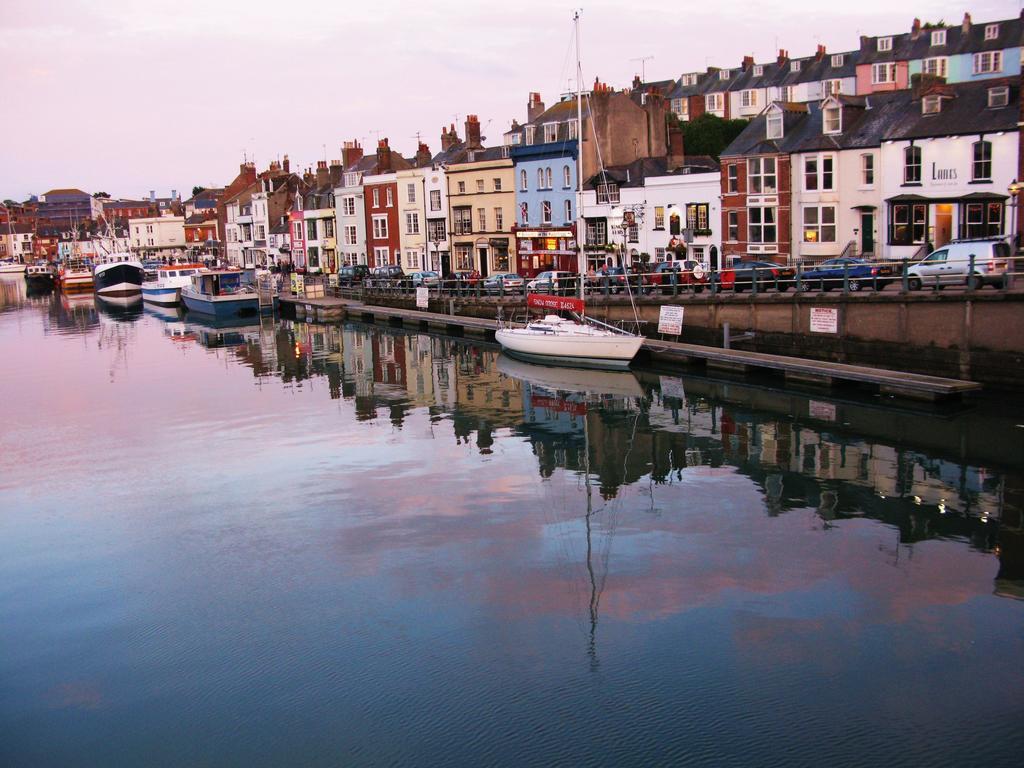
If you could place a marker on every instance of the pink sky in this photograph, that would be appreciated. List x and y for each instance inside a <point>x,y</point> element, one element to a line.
<point>126,97</point>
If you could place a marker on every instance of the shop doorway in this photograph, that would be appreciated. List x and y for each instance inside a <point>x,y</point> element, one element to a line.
<point>943,225</point>
<point>483,261</point>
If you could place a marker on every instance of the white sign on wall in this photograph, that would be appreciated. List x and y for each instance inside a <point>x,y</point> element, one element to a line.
<point>422,297</point>
<point>824,320</point>
<point>670,320</point>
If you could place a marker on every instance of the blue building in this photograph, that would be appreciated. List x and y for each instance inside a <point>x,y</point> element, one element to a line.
<point>965,52</point>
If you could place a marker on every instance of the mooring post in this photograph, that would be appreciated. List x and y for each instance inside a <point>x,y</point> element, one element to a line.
<point>725,335</point>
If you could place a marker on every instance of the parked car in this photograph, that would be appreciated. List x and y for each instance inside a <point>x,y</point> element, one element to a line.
<point>951,265</point>
<point>742,275</point>
<point>615,279</point>
<point>861,272</point>
<point>687,273</point>
<point>427,279</point>
<point>352,275</point>
<point>385,276</point>
<point>503,281</point>
<point>553,281</point>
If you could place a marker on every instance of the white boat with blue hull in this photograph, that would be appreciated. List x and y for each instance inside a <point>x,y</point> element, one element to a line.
<point>165,289</point>
<point>226,293</point>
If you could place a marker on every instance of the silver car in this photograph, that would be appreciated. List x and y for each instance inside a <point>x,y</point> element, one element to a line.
<point>507,281</point>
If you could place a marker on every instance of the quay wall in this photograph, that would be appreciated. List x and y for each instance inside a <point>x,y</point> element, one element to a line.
<point>977,336</point>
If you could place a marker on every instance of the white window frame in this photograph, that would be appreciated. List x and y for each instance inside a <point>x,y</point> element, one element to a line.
<point>523,181</point>
<point>435,194</point>
<point>412,223</point>
<point>568,211</point>
<point>884,44</point>
<point>748,98</point>
<point>499,219</point>
<point>757,175</point>
<point>867,167</point>
<point>350,232</point>
<point>758,70</point>
<point>837,60</point>
<point>795,66</point>
<point>724,74</point>
<point>348,205</point>
<point>883,73</point>
<point>824,232</point>
<point>410,192</point>
<point>380,257</point>
<point>566,177</point>
<point>773,124</point>
<point>481,217</point>
<point>991,31</point>
<point>931,105</point>
<point>988,62</point>
<point>826,115</point>
<point>762,223</point>
<point>935,65</point>
<point>998,97</point>
<point>938,37</point>
<point>389,197</point>
<point>531,133</point>
<point>550,133</point>
<point>545,211</point>
<point>380,227</point>
<point>714,102</point>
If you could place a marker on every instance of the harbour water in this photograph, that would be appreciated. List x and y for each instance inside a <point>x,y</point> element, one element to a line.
<point>293,544</point>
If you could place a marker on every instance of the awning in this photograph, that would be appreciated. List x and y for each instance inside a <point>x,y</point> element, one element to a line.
<point>983,196</point>
<point>864,207</point>
<point>911,199</point>
<point>973,197</point>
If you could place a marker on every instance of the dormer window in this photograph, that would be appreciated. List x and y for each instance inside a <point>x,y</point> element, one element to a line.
<point>550,132</point>
<point>531,133</point>
<point>773,124</point>
<point>723,74</point>
<point>832,119</point>
<point>885,43</point>
<point>758,70</point>
<point>794,66</point>
<point>838,59</point>
<point>991,31</point>
<point>939,37</point>
<point>931,105</point>
<point>998,97</point>
<point>690,79</point>
<point>572,129</point>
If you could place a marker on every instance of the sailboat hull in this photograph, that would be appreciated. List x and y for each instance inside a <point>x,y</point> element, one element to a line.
<point>611,352</point>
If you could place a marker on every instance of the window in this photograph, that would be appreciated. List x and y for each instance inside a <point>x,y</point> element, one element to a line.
<point>991,31</point>
<point>412,258</point>
<point>380,227</point>
<point>436,230</point>
<point>819,224</point>
<point>462,223</point>
<point>390,197</point>
<point>462,187</point>
<point>566,177</point>
<point>697,217</point>
<point>909,224</point>
<point>786,93</point>
<point>497,185</point>
<point>912,165</point>
<point>723,74</point>
<point>376,198</point>
<point>773,124</point>
<point>833,87</point>
<point>938,37</point>
<point>522,180</point>
<point>531,133</point>
<point>998,97</point>
<point>761,225</point>
<point>412,223</point>
<point>380,257</point>
<point>348,206</point>
<point>885,43</point>
<point>794,66</point>
<point>499,219</point>
<point>568,211</point>
<point>810,174</point>
<point>989,61</point>
<point>481,216</point>
<point>982,168</point>
<point>545,212</point>
<point>838,59</point>
<point>659,217</point>
<point>597,232</point>
<point>463,257</point>
<point>930,105</point>
<point>479,185</point>
<point>761,174</point>
<point>296,230</point>
<point>350,235</point>
<point>540,178</point>
<point>982,220</point>
<point>867,170</point>
<point>435,200</point>
<point>547,179</point>
<point>524,213</point>
<point>572,129</point>
<point>681,107</point>
<point>758,70</point>
<point>833,120</point>
<point>410,193</point>
<point>733,178</point>
<point>883,73</point>
<point>713,102</point>
<point>748,98</point>
<point>690,79</point>
<point>351,179</point>
<point>311,229</point>
<point>607,193</point>
<point>550,132</point>
<point>328,229</point>
<point>734,226</point>
<point>936,65</point>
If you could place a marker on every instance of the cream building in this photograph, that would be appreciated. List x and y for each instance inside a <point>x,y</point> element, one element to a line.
<point>481,204</point>
<point>158,236</point>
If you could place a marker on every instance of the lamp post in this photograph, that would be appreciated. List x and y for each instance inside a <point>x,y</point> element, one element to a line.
<point>1014,189</point>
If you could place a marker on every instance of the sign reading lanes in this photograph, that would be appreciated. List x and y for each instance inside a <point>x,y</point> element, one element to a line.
<point>824,320</point>
<point>670,320</point>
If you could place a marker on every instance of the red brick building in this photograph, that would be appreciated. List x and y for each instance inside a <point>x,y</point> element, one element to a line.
<point>380,202</point>
<point>200,228</point>
<point>246,178</point>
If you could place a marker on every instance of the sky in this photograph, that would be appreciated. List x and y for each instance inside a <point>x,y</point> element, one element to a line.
<point>127,97</point>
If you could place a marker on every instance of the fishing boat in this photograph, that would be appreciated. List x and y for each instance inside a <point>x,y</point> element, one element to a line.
<point>118,274</point>
<point>165,288</point>
<point>75,274</point>
<point>577,341</point>
<point>226,293</point>
<point>40,275</point>
<point>11,267</point>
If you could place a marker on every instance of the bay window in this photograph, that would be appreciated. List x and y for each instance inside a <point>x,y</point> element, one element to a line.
<point>908,223</point>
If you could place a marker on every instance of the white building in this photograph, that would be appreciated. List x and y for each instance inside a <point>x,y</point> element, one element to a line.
<point>158,236</point>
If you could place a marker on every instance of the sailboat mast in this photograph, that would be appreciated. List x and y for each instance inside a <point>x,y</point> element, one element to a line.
<point>581,260</point>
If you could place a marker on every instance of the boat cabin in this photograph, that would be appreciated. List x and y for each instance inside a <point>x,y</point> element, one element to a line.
<point>218,282</point>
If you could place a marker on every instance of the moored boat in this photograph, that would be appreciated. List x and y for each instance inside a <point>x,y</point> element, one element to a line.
<point>11,267</point>
<point>75,274</point>
<point>118,274</point>
<point>40,275</point>
<point>165,289</point>
<point>580,341</point>
<point>224,293</point>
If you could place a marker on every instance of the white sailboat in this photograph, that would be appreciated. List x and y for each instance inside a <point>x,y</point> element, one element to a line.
<point>580,341</point>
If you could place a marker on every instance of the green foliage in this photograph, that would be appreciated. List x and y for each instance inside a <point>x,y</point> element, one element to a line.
<point>708,134</point>
<point>197,190</point>
<point>98,195</point>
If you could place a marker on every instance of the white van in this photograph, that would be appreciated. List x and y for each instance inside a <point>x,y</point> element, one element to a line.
<point>951,265</point>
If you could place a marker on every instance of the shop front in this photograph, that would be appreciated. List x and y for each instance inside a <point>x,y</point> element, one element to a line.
<point>538,250</point>
<point>918,222</point>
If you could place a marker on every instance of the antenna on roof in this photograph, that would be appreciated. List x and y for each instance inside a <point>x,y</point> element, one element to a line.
<point>643,64</point>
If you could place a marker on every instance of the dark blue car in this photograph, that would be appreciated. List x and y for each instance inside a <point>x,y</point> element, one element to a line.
<point>861,273</point>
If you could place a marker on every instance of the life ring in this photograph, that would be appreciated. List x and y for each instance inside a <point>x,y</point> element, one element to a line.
<point>698,272</point>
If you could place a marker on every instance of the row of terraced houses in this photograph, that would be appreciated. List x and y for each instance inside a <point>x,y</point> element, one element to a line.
<point>903,144</point>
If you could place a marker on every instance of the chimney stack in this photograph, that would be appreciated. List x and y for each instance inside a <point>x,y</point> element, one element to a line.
<point>748,62</point>
<point>915,29</point>
<point>675,148</point>
<point>820,54</point>
<point>423,155</point>
<point>286,165</point>
<point>351,153</point>
<point>534,107</point>
<point>473,132</point>
<point>783,57</point>
<point>383,156</point>
<point>966,26</point>
<point>322,173</point>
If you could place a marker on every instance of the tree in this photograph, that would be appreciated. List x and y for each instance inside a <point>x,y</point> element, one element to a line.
<point>708,134</point>
<point>197,190</point>
<point>98,195</point>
